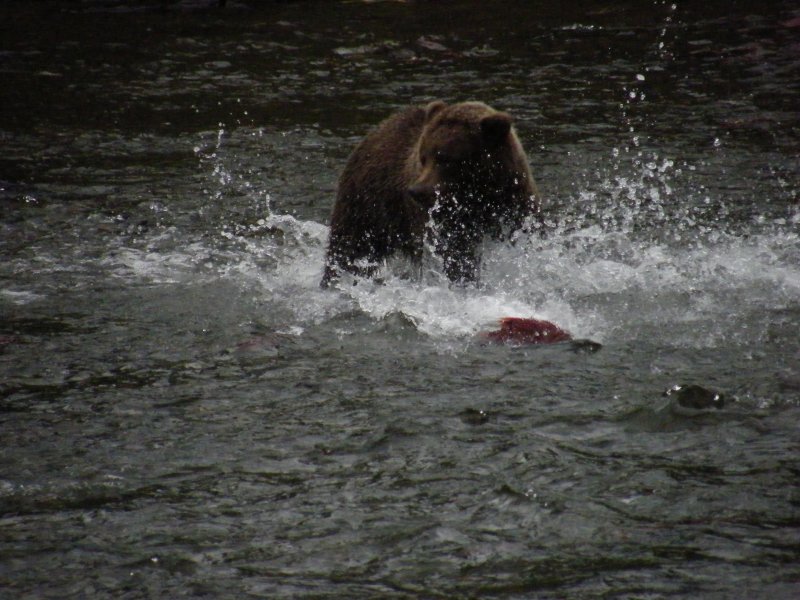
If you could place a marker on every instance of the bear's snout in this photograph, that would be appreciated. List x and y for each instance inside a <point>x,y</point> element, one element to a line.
<point>421,193</point>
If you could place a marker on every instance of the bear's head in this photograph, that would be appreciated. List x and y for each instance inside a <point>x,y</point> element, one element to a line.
<point>469,168</point>
<point>464,154</point>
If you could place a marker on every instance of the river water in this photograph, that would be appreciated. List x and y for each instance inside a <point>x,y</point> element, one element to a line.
<point>184,413</point>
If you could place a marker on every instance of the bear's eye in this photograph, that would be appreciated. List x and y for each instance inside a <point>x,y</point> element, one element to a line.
<point>444,159</point>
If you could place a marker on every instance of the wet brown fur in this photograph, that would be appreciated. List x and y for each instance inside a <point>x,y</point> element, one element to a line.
<point>454,172</point>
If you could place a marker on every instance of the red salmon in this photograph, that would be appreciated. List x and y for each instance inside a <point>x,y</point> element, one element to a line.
<point>517,330</point>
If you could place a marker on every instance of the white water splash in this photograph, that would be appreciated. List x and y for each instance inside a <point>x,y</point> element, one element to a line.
<point>595,283</point>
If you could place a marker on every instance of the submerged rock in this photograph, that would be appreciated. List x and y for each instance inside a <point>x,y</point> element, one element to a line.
<point>474,416</point>
<point>695,397</point>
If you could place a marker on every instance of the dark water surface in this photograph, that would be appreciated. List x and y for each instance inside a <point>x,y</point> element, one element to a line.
<point>184,413</point>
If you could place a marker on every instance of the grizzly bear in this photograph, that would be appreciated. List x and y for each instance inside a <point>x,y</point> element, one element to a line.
<point>446,174</point>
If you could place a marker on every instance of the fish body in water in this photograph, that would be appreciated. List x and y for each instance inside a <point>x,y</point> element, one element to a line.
<point>519,330</point>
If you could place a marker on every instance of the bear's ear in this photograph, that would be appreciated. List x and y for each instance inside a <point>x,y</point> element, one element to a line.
<point>434,108</point>
<point>495,128</point>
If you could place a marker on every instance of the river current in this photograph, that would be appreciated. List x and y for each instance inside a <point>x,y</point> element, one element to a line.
<point>185,413</point>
